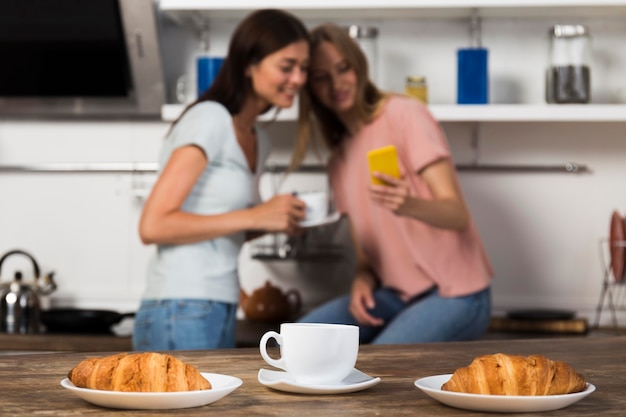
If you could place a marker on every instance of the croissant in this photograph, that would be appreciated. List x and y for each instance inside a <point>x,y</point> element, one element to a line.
<point>501,374</point>
<point>137,372</point>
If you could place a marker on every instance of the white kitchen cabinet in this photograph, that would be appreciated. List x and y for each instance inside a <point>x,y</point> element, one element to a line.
<point>532,17</point>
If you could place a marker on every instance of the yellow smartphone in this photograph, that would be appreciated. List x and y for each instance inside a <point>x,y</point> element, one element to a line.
<point>384,160</point>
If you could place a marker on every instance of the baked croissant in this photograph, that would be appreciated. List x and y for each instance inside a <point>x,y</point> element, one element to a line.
<point>501,374</point>
<point>137,372</point>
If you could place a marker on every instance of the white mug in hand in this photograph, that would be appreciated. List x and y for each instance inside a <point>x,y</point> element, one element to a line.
<point>316,205</point>
<point>314,353</point>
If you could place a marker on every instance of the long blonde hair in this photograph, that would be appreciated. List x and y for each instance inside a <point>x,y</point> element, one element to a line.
<point>315,120</point>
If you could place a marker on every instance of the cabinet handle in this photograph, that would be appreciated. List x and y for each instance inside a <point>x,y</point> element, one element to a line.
<point>568,168</point>
<point>82,167</point>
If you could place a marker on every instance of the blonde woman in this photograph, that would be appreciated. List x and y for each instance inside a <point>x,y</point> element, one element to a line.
<point>422,274</point>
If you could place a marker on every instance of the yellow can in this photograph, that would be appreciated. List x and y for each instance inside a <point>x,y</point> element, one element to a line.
<point>416,87</point>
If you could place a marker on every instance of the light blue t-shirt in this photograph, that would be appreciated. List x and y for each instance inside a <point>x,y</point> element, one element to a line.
<point>208,269</point>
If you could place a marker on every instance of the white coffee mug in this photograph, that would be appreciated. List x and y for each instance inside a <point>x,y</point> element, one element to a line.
<point>314,353</point>
<point>316,205</point>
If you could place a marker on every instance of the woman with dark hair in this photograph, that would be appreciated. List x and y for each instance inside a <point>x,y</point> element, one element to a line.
<point>422,274</point>
<point>206,200</point>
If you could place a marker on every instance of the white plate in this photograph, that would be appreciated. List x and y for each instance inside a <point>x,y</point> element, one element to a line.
<point>332,218</point>
<point>281,381</point>
<point>498,403</point>
<point>221,385</point>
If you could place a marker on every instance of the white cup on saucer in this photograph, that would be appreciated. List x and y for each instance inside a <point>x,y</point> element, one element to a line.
<point>314,353</point>
<point>316,205</point>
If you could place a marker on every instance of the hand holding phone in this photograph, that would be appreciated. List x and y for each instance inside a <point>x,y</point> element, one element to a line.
<point>383,160</point>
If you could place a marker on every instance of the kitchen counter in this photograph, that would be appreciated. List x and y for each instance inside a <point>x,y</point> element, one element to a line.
<point>30,383</point>
<point>248,335</point>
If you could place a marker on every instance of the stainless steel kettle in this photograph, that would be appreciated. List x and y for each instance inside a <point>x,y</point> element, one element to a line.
<point>19,303</point>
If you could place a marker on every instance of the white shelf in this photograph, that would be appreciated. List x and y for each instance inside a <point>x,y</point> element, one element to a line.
<point>182,10</point>
<point>378,9</point>
<point>482,113</point>
<point>171,112</point>
<point>530,113</point>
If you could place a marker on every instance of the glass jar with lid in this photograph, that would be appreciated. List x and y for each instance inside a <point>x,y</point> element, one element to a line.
<point>416,87</point>
<point>366,37</point>
<point>568,77</point>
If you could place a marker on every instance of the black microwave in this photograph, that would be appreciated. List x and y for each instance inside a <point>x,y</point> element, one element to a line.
<point>80,58</point>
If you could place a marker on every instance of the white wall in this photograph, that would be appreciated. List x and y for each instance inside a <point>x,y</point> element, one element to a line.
<point>541,230</point>
<point>81,225</point>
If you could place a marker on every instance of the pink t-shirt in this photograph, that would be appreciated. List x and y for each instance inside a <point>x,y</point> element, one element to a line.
<point>407,255</point>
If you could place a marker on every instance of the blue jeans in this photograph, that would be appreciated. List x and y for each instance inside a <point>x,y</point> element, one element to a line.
<point>184,325</point>
<point>426,318</point>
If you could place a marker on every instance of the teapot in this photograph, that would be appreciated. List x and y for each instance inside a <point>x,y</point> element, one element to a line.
<point>269,303</point>
<point>19,303</point>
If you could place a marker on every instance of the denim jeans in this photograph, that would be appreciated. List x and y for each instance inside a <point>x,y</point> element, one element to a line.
<point>184,325</point>
<point>426,318</point>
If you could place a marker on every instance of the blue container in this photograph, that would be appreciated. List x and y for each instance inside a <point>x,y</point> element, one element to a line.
<point>472,76</point>
<point>207,68</point>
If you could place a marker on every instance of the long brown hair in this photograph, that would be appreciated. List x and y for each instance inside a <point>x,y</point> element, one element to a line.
<point>260,34</point>
<point>315,119</point>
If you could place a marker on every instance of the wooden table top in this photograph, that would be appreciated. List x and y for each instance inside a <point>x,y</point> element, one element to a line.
<point>30,384</point>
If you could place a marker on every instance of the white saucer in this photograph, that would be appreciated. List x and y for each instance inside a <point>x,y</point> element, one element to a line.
<point>332,218</point>
<point>280,380</point>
